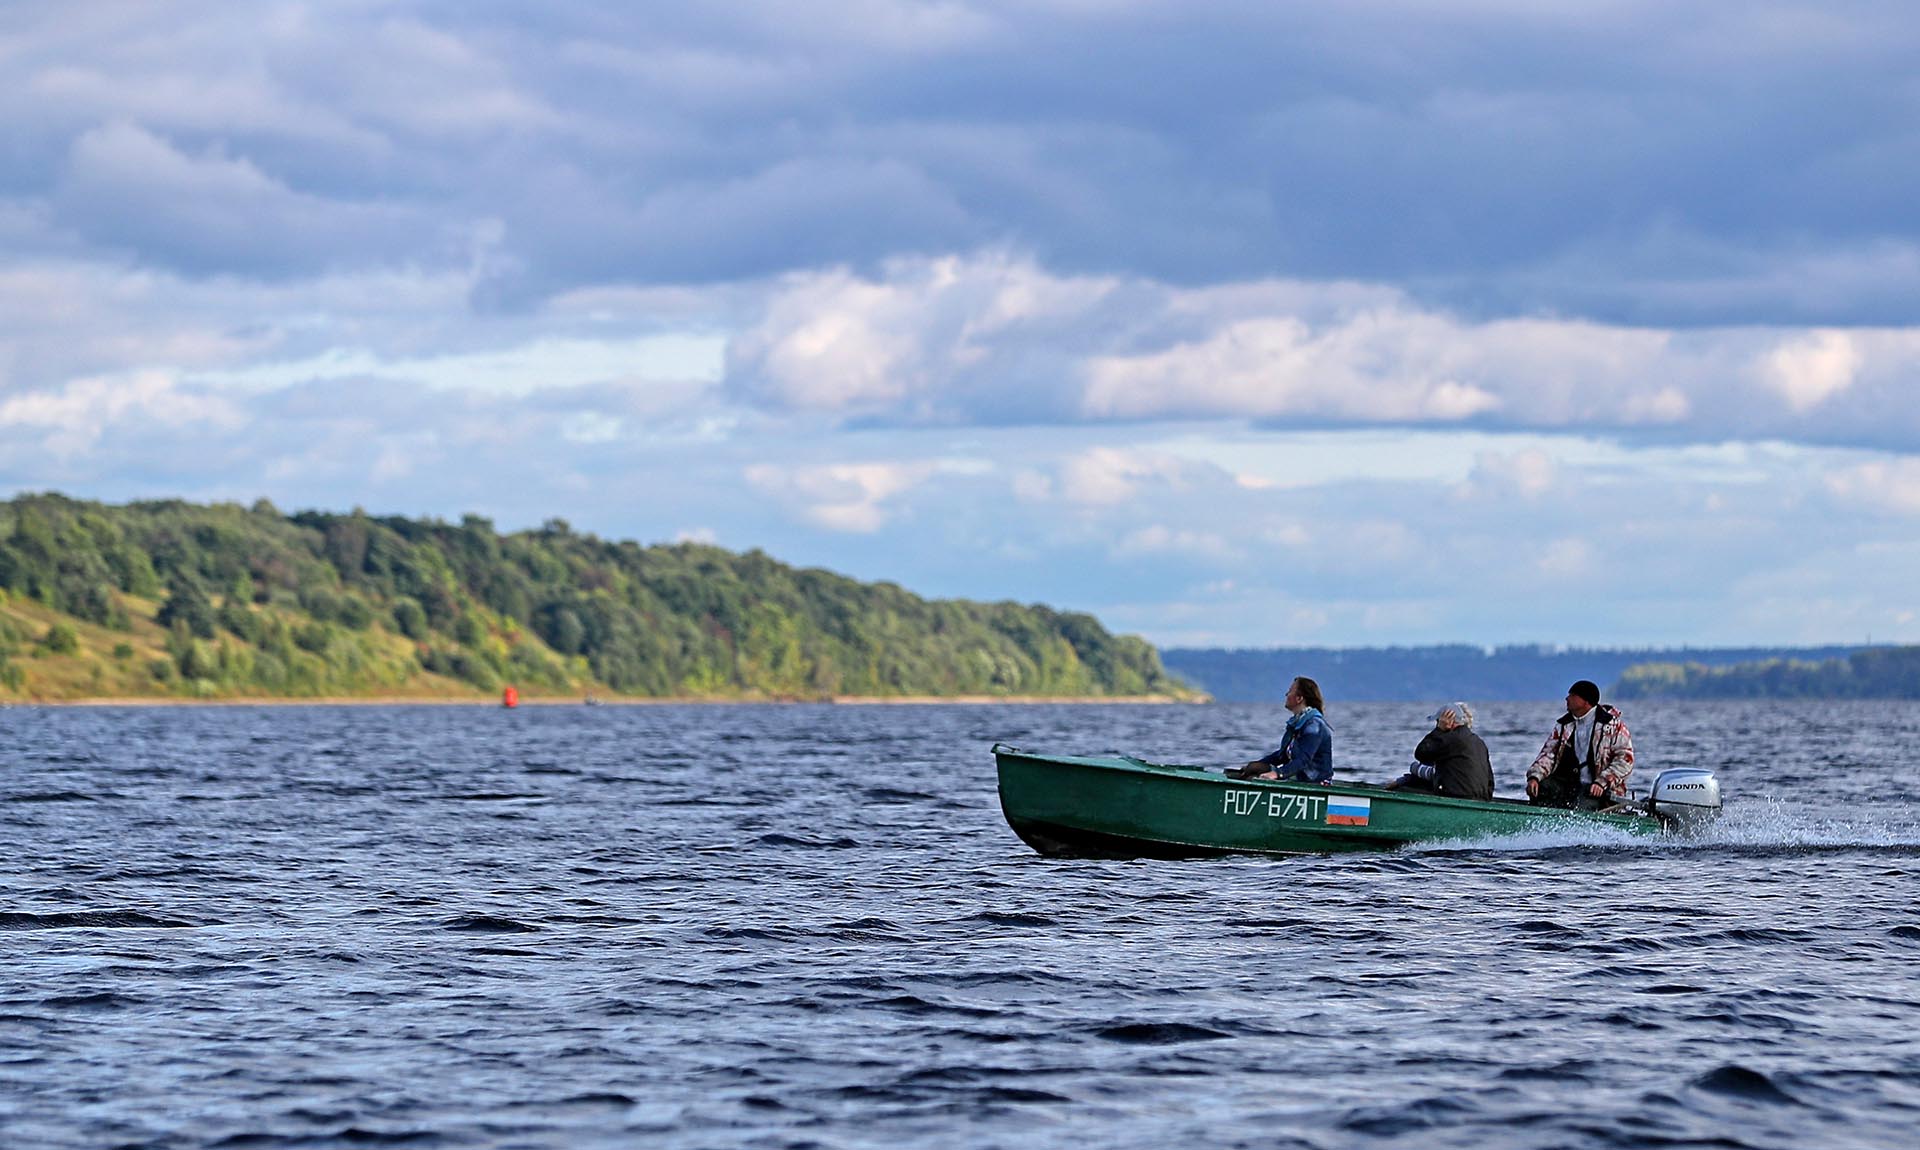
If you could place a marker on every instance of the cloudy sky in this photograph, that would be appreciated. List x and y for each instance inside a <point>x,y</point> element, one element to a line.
<point>1232,322</point>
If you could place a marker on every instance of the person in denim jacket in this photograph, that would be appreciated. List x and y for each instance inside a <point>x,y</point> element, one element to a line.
<point>1306,749</point>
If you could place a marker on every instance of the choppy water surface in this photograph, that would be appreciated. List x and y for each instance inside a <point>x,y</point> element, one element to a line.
<point>808,926</point>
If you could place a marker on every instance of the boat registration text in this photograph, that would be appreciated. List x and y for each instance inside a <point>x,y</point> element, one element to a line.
<point>1274,805</point>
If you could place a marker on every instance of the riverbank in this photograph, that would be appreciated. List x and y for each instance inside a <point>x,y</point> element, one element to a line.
<point>603,700</point>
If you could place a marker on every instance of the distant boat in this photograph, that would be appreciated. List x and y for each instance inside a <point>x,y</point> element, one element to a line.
<point>1117,806</point>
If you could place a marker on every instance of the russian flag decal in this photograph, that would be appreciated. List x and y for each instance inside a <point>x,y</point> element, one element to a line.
<point>1348,812</point>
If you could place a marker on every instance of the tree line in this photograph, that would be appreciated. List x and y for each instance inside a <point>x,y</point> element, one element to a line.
<point>1440,671</point>
<point>176,598</point>
<point>1873,673</point>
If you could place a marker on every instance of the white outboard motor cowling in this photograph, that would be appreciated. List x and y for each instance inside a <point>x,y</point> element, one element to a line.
<point>1685,796</point>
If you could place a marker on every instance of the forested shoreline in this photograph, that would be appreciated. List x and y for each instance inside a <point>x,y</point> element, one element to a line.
<point>1874,673</point>
<point>1527,671</point>
<point>169,599</point>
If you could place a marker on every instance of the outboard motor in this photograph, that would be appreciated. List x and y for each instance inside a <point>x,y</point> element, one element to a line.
<point>1685,798</point>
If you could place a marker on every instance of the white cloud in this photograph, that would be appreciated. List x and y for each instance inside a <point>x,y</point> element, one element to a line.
<point>1307,622</point>
<point>994,338</point>
<point>1449,400</point>
<point>1667,405</point>
<point>1362,368</point>
<point>1031,486</point>
<point>1891,484</point>
<point>590,427</point>
<point>76,416</point>
<point>1566,558</point>
<point>1808,370</point>
<point>930,338</point>
<point>397,460</point>
<point>1531,472</point>
<point>1375,541</point>
<point>844,497</point>
<point>834,344</point>
<point>1184,543</point>
<point>1105,475</point>
<point>660,374</point>
<point>61,320</point>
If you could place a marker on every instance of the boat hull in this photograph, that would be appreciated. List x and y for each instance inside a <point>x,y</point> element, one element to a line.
<point>1122,807</point>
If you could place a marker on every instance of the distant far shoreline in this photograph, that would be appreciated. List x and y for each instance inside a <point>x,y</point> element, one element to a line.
<point>602,700</point>
<point>1463,671</point>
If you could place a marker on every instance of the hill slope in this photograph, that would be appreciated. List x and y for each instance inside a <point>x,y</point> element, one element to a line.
<point>173,599</point>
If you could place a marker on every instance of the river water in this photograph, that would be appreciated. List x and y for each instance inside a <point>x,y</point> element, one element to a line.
<point>807,926</point>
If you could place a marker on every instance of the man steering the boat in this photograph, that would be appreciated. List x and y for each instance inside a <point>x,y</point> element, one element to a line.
<point>1587,757</point>
<point>1306,749</point>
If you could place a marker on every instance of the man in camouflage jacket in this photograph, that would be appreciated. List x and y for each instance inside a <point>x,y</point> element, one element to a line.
<point>1587,757</point>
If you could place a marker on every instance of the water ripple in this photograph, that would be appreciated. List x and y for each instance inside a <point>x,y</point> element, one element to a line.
<point>557,927</point>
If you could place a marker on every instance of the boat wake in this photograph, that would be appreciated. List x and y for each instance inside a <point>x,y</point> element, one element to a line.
<point>1757,826</point>
<point>1772,824</point>
<point>1535,841</point>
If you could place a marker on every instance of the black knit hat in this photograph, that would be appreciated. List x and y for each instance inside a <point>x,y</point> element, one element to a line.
<point>1586,689</point>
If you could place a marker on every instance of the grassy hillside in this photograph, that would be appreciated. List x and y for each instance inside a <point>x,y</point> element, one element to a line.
<point>171,599</point>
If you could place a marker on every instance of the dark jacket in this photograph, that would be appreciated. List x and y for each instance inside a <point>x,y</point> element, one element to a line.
<point>1306,750</point>
<point>1461,768</point>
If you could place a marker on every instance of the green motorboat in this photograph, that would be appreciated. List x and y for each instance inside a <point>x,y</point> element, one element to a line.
<point>1117,806</point>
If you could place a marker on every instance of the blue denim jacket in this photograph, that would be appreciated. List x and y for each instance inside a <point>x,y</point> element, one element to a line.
<point>1306,750</point>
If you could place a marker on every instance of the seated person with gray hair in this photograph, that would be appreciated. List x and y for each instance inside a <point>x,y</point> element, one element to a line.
<point>1451,760</point>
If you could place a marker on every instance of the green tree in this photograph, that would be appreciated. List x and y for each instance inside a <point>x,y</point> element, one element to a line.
<point>188,604</point>
<point>468,631</point>
<point>409,619</point>
<point>300,594</point>
<point>61,639</point>
<point>355,613</point>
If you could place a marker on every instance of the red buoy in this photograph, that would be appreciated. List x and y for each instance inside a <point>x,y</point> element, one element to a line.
<point>510,698</point>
